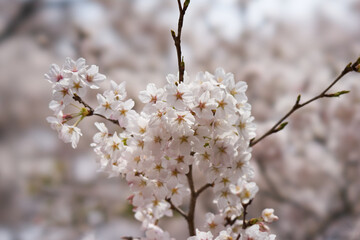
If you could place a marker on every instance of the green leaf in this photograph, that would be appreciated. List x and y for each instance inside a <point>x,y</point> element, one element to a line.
<point>282,126</point>
<point>173,34</point>
<point>186,4</point>
<point>253,221</point>
<point>337,94</point>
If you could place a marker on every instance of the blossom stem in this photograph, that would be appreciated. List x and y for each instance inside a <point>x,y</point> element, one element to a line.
<point>177,38</point>
<point>281,124</point>
<point>78,121</point>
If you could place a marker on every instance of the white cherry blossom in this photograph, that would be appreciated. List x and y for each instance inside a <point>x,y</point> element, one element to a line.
<point>204,124</point>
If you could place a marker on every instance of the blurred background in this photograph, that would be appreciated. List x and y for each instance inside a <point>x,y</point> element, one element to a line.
<point>309,173</point>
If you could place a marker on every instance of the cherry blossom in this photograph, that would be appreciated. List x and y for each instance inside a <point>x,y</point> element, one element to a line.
<point>204,124</point>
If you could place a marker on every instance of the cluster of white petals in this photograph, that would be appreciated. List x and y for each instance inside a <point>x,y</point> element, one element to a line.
<point>73,79</point>
<point>203,123</point>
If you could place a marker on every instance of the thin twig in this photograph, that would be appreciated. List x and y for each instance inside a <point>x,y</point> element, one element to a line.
<point>78,99</point>
<point>91,110</point>
<point>281,124</point>
<point>177,38</point>
<point>176,209</point>
<point>203,188</point>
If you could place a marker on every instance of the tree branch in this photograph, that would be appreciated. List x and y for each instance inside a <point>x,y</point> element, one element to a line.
<point>244,226</point>
<point>177,38</point>
<point>191,213</point>
<point>281,124</point>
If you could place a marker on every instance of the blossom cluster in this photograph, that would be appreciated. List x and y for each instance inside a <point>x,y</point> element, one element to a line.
<point>201,124</point>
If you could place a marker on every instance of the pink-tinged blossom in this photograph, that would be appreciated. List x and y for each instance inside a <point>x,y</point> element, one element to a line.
<point>71,66</point>
<point>55,74</point>
<point>92,77</point>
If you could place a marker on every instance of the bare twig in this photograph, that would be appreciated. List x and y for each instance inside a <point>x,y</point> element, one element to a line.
<point>177,38</point>
<point>281,124</point>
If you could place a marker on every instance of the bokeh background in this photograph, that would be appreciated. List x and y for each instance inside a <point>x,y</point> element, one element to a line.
<point>309,173</point>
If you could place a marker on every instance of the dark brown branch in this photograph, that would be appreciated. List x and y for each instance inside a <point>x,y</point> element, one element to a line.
<point>203,188</point>
<point>176,209</point>
<point>244,226</point>
<point>91,110</point>
<point>281,124</point>
<point>177,38</point>
<point>78,99</point>
<point>191,214</point>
